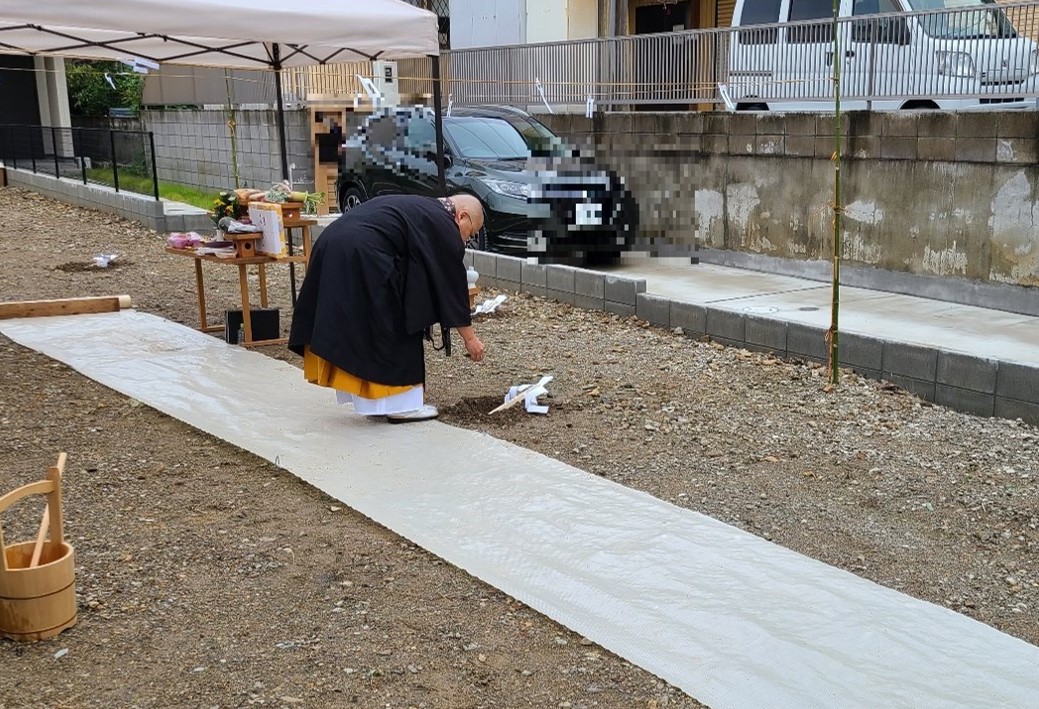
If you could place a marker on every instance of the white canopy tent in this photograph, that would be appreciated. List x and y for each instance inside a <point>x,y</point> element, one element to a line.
<point>243,34</point>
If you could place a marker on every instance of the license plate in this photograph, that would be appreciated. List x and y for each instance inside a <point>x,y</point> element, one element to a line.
<point>588,214</point>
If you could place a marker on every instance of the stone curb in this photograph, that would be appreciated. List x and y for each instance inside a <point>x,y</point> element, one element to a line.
<point>973,385</point>
<point>141,208</point>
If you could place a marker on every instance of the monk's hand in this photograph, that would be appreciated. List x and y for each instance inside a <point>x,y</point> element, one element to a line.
<point>475,348</point>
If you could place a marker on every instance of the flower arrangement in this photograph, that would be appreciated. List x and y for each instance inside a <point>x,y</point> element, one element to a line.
<point>235,203</point>
<point>227,204</point>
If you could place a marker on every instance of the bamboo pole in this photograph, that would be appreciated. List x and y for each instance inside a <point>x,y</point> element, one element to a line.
<point>232,129</point>
<point>833,335</point>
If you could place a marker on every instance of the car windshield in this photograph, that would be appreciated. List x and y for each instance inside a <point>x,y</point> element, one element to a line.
<point>488,138</point>
<point>969,23</point>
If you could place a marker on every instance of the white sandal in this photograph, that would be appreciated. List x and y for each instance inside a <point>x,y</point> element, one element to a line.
<point>426,413</point>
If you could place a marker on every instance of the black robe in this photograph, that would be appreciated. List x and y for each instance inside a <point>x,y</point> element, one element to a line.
<point>378,277</point>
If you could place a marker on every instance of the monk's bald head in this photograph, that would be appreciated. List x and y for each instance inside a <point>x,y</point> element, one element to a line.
<point>471,205</point>
<point>468,215</point>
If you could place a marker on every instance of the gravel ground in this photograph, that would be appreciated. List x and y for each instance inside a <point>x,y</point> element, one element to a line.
<point>208,577</point>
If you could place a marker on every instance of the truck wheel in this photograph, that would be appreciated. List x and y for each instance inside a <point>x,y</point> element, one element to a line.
<point>919,106</point>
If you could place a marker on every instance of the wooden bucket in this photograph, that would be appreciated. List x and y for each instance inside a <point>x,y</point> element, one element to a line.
<point>37,579</point>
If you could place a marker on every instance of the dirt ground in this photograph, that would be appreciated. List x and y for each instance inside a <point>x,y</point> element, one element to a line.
<point>207,577</point>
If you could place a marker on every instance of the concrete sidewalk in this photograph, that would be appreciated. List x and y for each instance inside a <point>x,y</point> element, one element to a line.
<point>980,332</point>
<point>972,359</point>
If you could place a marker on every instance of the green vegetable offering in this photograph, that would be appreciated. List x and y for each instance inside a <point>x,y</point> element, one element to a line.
<point>283,192</point>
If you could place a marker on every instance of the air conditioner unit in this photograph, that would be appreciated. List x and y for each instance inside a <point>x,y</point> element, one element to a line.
<point>386,80</point>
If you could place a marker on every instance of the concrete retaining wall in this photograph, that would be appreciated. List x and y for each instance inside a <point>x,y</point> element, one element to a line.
<point>926,193</point>
<point>144,209</point>
<point>978,386</point>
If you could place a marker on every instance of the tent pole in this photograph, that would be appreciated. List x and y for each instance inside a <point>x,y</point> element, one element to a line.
<point>438,122</point>
<point>281,113</point>
<point>284,149</point>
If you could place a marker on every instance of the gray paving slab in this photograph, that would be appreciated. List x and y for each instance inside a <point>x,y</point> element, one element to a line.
<point>964,329</point>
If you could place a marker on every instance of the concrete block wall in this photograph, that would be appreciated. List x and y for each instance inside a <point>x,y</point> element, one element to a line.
<point>141,208</point>
<point>193,147</point>
<point>928,194</point>
<point>978,386</point>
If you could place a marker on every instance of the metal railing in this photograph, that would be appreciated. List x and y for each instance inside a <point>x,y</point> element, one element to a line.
<point>672,68</point>
<point>951,59</point>
<point>121,159</point>
<point>971,55</point>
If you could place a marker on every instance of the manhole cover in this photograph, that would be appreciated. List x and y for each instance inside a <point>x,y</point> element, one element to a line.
<point>760,309</point>
<point>809,308</point>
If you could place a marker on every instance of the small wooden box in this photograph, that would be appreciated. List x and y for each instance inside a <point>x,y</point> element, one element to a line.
<point>245,244</point>
<point>290,210</point>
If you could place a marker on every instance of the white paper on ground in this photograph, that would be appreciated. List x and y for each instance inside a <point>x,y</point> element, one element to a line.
<point>489,306</point>
<point>731,619</point>
<point>102,260</point>
<point>530,394</point>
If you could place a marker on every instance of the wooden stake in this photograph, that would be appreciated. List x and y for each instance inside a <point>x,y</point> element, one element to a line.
<point>64,306</point>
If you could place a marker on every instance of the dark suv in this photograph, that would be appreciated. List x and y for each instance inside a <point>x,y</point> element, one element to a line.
<point>541,197</point>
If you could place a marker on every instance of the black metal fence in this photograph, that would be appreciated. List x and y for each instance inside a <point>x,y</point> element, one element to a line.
<point>121,159</point>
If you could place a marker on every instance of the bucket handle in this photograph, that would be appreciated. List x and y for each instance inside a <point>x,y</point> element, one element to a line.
<point>38,547</point>
<point>51,487</point>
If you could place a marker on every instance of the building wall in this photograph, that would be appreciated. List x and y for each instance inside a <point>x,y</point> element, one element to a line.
<point>582,19</point>
<point>546,20</point>
<point>483,23</point>
<point>929,194</point>
<point>175,85</point>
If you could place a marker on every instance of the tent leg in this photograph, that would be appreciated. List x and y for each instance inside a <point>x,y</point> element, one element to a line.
<point>438,121</point>
<point>284,147</point>
<point>281,113</point>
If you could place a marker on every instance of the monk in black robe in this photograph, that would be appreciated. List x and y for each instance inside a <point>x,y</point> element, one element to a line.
<point>379,277</point>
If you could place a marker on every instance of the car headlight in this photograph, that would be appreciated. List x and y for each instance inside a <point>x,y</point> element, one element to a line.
<point>957,64</point>
<point>519,190</point>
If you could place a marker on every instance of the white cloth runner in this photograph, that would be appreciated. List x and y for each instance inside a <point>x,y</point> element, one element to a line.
<point>732,619</point>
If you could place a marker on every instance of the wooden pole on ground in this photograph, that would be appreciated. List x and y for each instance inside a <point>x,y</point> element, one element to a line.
<point>63,306</point>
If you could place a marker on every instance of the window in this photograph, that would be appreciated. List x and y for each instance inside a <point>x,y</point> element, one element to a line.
<point>880,30</point>
<point>946,4</point>
<point>487,139</point>
<point>874,7</point>
<point>979,24</point>
<point>382,132</point>
<point>810,9</point>
<point>759,12</point>
<point>539,139</point>
<point>421,137</point>
<point>816,32</point>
